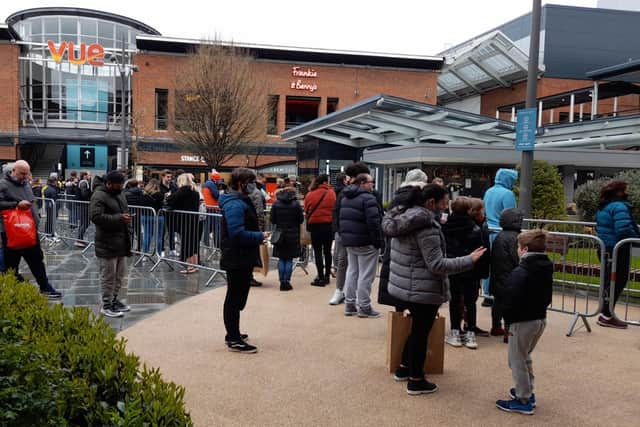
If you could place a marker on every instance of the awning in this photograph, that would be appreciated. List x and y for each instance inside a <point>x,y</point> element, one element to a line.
<point>481,65</point>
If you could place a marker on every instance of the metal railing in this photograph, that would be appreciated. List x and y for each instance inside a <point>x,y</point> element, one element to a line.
<point>630,294</point>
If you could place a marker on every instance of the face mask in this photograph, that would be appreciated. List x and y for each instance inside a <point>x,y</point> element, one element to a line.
<point>250,188</point>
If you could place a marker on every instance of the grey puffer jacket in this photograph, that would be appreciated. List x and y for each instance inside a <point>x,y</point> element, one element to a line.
<point>419,266</point>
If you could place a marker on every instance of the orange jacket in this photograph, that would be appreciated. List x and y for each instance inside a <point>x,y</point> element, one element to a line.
<point>322,213</point>
<point>209,200</point>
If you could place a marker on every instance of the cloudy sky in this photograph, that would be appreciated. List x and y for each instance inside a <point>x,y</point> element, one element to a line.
<point>399,26</point>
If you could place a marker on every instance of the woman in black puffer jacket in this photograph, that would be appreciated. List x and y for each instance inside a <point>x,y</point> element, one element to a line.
<point>418,274</point>
<point>286,216</point>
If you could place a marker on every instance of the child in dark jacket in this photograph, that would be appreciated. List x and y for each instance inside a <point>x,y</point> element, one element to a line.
<point>463,236</point>
<point>528,293</point>
<point>504,258</point>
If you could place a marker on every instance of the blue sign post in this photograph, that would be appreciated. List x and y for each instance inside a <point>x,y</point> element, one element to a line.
<point>526,129</point>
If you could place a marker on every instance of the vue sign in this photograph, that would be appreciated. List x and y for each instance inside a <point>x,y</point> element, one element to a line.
<point>93,55</point>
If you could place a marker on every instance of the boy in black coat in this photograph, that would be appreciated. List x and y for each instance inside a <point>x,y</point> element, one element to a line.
<point>528,293</point>
<point>504,258</point>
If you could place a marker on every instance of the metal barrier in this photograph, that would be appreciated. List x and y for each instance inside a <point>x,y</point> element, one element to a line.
<point>48,215</point>
<point>578,227</point>
<point>212,232</point>
<point>188,226</point>
<point>73,224</point>
<point>629,293</point>
<point>144,232</point>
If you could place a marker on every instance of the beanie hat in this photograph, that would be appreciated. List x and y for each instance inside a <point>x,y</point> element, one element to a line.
<point>115,177</point>
<point>415,178</point>
<point>215,176</point>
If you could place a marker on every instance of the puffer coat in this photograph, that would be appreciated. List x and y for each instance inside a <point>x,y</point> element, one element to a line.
<point>286,215</point>
<point>419,266</point>
<point>113,236</point>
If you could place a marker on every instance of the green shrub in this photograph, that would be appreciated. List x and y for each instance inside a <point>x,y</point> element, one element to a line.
<point>587,194</point>
<point>64,367</point>
<point>547,196</point>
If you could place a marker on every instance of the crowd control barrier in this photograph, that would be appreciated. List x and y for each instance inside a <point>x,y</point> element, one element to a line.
<point>181,234</point>
<point>48,214</point>
<point>144,232</point>
<point>631,292</point>
<point>73,224</point>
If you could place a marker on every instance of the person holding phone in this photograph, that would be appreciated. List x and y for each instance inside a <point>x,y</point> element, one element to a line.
<point>109,212</point>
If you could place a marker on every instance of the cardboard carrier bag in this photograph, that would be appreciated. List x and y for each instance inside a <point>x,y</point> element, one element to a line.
<point>398,329</point>
<point>264,259</point>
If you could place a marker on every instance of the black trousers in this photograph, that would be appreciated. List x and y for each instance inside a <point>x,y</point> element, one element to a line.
<point>464,294</point>
<point>238,285</point>
<point>622,275</point>
<point>321,241</point>
<point>33,257</point>
<point>415,349</point>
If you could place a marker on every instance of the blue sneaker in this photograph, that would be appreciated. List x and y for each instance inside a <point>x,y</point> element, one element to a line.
<point>532,399</point>
<point>514,405</point>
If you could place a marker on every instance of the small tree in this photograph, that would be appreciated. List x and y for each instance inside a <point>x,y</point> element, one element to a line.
<point>221,103</point>
<point>547,196</point>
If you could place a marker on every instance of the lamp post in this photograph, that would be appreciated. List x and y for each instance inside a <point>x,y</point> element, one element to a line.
<point>123,159</point>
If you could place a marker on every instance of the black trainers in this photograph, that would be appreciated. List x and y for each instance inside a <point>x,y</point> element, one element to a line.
<point>117,305</point>
<point>401,374</point>
<point>109,311</point>
<point>243,337</point>
<point>416,387</point>
<point>255,283</point>
<point>319,281</point>
<point>241,347</point>
<point>285,286</point>
<point>50,293</point>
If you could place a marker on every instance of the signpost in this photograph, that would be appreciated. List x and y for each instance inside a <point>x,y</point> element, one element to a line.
<point>526,129</point>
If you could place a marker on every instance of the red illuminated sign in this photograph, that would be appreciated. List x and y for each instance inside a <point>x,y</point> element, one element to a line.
<point>92,54</point>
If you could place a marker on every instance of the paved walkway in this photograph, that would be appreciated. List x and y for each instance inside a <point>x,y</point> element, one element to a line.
<point>317,367</point>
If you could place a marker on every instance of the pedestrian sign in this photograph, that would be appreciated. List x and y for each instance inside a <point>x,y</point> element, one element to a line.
<point>526,129</point>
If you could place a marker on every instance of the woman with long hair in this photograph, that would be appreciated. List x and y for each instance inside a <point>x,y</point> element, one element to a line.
<point>614,222</point>
<point>187,198</point>
<point>153,199</point>
<point>418,274</point>
<point>318,207</point>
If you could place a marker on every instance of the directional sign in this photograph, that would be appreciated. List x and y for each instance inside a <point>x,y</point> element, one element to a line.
<point>87,157</point>
<point>526,129</point>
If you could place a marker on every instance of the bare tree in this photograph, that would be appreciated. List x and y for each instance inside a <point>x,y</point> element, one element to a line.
<point>221,103</point>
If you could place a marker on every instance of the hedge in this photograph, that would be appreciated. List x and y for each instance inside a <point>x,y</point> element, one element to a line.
<point>587,194</point>
<point>65,367</point>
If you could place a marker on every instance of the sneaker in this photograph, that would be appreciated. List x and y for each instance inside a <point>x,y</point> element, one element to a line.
<point>487,302</point>
<point>243,337</point>
<point>319,281</point>
<point>173,252</point>
<point>470,340</point>
<point>241,347</point>
<point>368,312</point>
<point>79,244</point>
<point>255,283</point>
<point>497,332</point>
<point>401,374</point>
<point>109,311</point>
<point>611,322</point>
<point>285,286</point>
<point>350,309</point>
<point>117,305</point>
<point>515,405</point>
<point>51,293</point>
<point>416,387</point>
<point>454,338</point>
<point>480,332</point>
<point>532,399</point>
<point>162,254</point>
<point>338,298</point>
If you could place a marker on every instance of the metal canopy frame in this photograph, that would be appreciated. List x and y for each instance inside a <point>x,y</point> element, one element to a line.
<point>484,64</point>
<point>386,121</point>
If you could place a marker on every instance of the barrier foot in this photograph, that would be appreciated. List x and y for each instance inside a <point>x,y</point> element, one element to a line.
<point>213,276</point>
<point>84,251</point>
<point>155,265</point>
<point>574,322</point>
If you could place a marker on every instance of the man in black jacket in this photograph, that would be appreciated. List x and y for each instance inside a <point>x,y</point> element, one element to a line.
<point>109,212</point>
<point>360,230</point>
<point>528,293</point>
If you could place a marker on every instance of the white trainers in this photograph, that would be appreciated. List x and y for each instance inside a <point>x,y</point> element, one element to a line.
<point>470,341</point>
<point>337,298</point>
<point>454,338</point>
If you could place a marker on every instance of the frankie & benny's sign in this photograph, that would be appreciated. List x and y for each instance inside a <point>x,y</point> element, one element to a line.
<point>92,54</point>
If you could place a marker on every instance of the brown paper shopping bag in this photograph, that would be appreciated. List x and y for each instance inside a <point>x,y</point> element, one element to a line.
<point>264,259</point>
<point>398,329</point>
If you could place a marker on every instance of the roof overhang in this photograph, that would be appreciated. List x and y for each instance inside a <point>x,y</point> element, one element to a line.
<point>483,64</point>
<point>7,33</point>
<point>629,71</point>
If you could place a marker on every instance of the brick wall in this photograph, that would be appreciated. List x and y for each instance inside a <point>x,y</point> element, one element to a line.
<point>9,88</point>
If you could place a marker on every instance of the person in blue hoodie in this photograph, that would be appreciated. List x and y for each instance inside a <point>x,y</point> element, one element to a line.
<point>241,239</point>
<point>614,222</point>
<point>497,199</point>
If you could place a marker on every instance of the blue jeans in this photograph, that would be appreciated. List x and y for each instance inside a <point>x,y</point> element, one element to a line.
<point>148,224</point>
<point>285,268</point>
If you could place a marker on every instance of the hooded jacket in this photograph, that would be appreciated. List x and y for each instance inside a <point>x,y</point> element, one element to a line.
<point>500,196</point>
<point>360,218</point>
<point>419,268</point>
<point>614,222</point>
<point>113,235</point>
<point>241,236</point>
<point>320,207</point>
<point>529,288</point>
<point>504,251</point>
<point>463,236</point>
<point>286,216</point>
<point>12,192</point>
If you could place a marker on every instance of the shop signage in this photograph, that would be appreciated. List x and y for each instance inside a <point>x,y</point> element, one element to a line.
<point>526,129</point>
<point>192,159</point>
<point>298,84</point>
<point>92,54</point>
<point>87,157</point>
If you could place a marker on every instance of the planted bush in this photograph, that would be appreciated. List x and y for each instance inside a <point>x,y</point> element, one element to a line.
<point>547,195</point>
<point>587,194</point>
<point>65,367</point>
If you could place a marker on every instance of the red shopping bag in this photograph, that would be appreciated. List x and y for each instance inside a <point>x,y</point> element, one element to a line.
<point>20,228</point>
